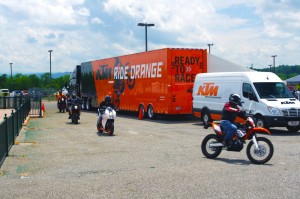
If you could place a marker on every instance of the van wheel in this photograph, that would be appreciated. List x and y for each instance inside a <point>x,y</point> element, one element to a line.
<point>150,112</point>
<point>206,119</point>
<point>293,128</point>
<point>260,122</point>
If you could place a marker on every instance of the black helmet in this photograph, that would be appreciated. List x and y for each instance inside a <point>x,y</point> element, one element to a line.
<point>107,99</point>
<point>235,99</point>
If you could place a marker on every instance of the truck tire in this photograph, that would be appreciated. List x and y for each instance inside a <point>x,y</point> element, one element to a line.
<point>150,112</point>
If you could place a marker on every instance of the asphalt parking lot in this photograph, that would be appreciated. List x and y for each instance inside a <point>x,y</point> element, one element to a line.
<point>144,159</point>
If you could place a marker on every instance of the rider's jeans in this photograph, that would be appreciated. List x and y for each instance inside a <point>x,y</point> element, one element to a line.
<point>228,128</point>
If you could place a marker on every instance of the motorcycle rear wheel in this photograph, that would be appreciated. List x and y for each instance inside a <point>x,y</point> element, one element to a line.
<point>210,152</point>
<point>264,152</point>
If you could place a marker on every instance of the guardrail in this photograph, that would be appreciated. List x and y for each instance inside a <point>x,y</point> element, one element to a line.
<point>11,125</point>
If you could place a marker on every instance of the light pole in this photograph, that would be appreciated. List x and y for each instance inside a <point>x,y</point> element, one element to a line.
<point>10,75</point>
<point>50,51</point>
<point>209,47</point>
<point>274,61</point>
<point>146,25</point>
<point>270,67</point>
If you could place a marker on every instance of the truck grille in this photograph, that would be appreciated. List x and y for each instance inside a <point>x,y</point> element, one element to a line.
<point>291,112</point>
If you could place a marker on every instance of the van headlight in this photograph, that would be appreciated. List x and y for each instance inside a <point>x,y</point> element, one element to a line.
<point>274,111</point>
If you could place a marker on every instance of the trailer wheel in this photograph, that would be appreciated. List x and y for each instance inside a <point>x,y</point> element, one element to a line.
<point>83,105</point>
<point>141,108</point>
<point>150,112</point>
<point>88,105</point>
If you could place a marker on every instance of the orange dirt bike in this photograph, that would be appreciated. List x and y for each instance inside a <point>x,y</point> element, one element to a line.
<point>259,150</point>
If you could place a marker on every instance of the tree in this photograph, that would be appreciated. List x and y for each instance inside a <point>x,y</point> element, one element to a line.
<point>3,81</point>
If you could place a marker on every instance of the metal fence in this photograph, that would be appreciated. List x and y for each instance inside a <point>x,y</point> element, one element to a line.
<point>15,102</point>
<point>11,125</point>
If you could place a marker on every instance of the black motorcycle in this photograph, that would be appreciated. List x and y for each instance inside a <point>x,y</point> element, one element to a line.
<point>75,113</point>
<point>61,104</point>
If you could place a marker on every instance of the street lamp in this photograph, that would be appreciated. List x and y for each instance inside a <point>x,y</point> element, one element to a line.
<point>146,25</point>
<point>270,67</point>
<point>209,47</point>
<point>274,61</point>
<point>50,51</point>
<point>10,75</point>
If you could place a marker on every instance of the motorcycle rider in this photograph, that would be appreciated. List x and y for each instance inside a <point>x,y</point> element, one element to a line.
<point>103,105</point>
<point>74,100</point>
<point>59,96</point>
<point>69,101</point>
<point>230,111</point>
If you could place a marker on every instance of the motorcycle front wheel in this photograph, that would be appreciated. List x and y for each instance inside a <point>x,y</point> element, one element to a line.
<point>111,128</point>
<point>210,152</point>
<point>263,153</point>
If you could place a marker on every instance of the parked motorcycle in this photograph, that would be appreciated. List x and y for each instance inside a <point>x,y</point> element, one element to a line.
<point>259,150</point>
<point>61,104</point>
<point>75,113</point>
<point>107,122</point>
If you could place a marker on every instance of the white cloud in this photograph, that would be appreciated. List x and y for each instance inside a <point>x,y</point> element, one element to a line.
<point>245,32</point>
<point>96,20</point>
<point>3,21</point>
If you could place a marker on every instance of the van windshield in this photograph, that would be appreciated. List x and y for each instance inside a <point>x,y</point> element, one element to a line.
<point>272,90</point>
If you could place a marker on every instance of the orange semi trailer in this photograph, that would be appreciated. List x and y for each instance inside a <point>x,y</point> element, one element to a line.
<point>154,82</point>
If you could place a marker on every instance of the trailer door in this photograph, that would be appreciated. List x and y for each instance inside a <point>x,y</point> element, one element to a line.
<point>185,65</point>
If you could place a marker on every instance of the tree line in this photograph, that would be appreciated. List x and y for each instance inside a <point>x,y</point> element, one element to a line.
<point>25,82</point>
<point>283,71</point>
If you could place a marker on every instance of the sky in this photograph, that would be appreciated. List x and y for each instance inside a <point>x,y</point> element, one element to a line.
<point>244,32</point>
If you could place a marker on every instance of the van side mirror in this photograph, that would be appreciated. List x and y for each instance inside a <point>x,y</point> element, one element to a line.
<point>251,96</point>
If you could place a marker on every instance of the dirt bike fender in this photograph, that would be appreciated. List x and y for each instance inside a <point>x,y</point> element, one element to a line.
<point>261,130</point>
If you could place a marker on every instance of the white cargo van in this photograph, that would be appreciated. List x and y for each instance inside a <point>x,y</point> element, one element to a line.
<point>263,94</point>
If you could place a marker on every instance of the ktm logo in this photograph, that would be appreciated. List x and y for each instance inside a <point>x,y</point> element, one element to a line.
<point>208,89</point>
